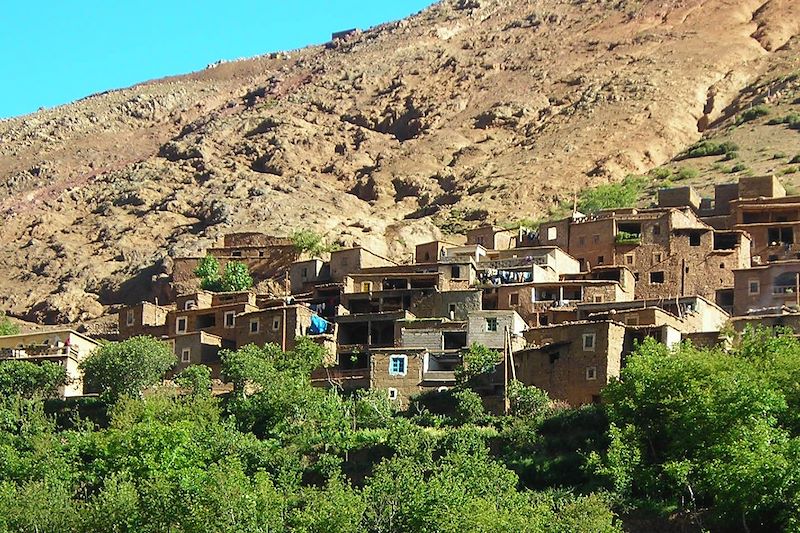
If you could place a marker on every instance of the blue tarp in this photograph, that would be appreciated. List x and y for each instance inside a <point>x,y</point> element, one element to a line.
<point>318,325</point>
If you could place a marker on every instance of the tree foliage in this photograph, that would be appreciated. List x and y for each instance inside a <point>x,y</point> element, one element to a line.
<point>305,240</point>
<point>700,428</point>
<point>127,367</point>
<point>30,380</point>
<point>236,276</point>
<point>477,360</point>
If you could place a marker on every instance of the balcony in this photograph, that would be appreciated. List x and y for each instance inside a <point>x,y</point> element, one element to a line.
<point>784,289</point>
<point>38,351</point>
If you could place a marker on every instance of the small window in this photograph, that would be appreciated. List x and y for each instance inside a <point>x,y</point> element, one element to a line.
<point>397,365</point>
<point>598,298</point>
<point>366,286</point>
<point>588,342</point>
<point>657,277</point>
<point>657,258</point>
<point>186,355</point>
<point>181,325</point>
<point>276,323</point>
<point>628,259</point>
<point>632,320</point>
<point>189,304</point>
<point>601,260</point>
<point>656,229</point>
<point>455,272</point>
<point>131,318</point>
<point>513,298</point>
<point>636,276</point>
<point>236,253</point>
<point>392,394</point>
<point>491,324</point>
<point>451,310</point>
<point>754,287</point>
<point>305,273</point>
<point>230,319</point>
<point>552,233</point>
<point>591,373</point>
<point>596,238</point>
<point>254,326</point>
<point>261,253</point>
<point>694,239</point>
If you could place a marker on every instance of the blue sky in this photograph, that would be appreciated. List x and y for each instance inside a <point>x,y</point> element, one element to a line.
<point>55,51</point>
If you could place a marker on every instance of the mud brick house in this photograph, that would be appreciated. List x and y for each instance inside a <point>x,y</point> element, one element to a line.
<point>489,327</point>
<point>535,301</point>
<point>277,325</point>
<point>550,259</point>
<point>779,318</point>
<point>431,252</point>
<point>768,288</point>
<point>573,361</point>
<point>199,348</point>
<point>144,318</point>
<point>493,237</point>
<point>670,250</point>
<point>218,319</point>
<point>305,275</point>
<point>350,261</point>
<point>64,347</point>
<point>266,256</point>
<point>689,314</point>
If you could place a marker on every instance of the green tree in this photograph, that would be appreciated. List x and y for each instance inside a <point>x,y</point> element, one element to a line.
<point>195,379</point>
<point>469,407</point>
<point>31,380</point>
<point>127,367</point>
<point>236,277</point>
<point>527,401</point>
<point>305,240</point>
<point>208,270</point>
<point>477,360</point>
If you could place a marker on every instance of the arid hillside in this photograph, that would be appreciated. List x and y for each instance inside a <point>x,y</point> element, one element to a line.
<point>471,110</point>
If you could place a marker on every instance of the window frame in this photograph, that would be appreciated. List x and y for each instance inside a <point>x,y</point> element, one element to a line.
<point>750,284</point>
<point>257,323</point>
<point>491,324</point>
<point>225,319</point>
<point>591,373</point>
<point>130,317</point>
<point>403,359</point>
<point>276,323</point>
<point>186,355</point>
<point>178,321</point>
<point>392,394</point>
<point>587,336</point>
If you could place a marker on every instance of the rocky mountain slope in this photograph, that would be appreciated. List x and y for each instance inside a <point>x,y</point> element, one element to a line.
<point>471,110</point>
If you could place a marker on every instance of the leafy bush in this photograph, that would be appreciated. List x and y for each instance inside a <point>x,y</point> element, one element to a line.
<point>195,379</point>
<point>686,173</point>
<point>792,120</point>
<point>707,148</point>
<point>126,368</point>
<point>477,360</point>
<point>305,240</point>
<point>236,277</point>
<point>752,114</point>
<point>469,407</point>
<point>623,237</point>
<point>527,401</point>
<point>795,159</point>
<point>29,380</point>
<point>661,173</point>
<point>613,195</point>
<point>738,167</point>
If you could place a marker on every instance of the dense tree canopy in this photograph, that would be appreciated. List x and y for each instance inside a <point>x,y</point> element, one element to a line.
<point>710,433</point>
<point>127,367</point>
